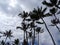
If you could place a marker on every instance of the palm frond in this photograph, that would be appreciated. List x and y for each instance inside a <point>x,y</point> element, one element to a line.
<point>54,2</point>
<point>18,27</point>
<point>28,19</point>
<point>44,10</point>
<point>40,22</point>
<point>58,12</point>
<point>47,4</point>
<point>52,25</point>
<point>53,10</point>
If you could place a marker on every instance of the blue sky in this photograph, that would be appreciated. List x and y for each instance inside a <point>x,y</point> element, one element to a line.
<point>9,9</point>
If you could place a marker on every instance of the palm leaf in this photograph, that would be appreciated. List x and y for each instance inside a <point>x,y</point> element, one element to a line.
<point>44,9</point>
<point>54,2</point>
<point>18,27</point>
<point>47,14</point>
<point>28,19</point>
<point>51,25</point>
<point>53,10</point>
<point>58,12</point>
<point>47,4</point>
<point>40,22</point>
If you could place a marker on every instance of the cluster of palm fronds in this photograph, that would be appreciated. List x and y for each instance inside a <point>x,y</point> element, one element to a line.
<point>30,21</point>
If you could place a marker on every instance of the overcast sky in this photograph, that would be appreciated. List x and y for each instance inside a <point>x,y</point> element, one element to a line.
<point>9,9</point>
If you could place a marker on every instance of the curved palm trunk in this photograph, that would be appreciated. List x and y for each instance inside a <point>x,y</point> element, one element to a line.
<point>49,32</point>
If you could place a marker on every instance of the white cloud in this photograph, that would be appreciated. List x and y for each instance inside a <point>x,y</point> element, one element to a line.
<point>13,3</point>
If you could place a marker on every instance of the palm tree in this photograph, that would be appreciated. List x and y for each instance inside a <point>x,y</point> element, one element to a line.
<point>55,22</point>
<point>16,42</point>
<point>40,13</point>
<point>2,43</point>
<point>39,30</point>
<point>24,28</point>
<point>7,34</point>
<point>52,3</point>
<point>32,26</point>
<point>24,15</point>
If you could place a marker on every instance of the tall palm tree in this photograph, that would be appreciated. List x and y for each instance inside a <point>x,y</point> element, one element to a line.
<point>32,26</point>
<point>55,22</point>
<point>7,34</point>
<point>24,15</point>
<point>39,30</point>
<point>39,12</point>
<point>24,28</point>
<point>52,3</point>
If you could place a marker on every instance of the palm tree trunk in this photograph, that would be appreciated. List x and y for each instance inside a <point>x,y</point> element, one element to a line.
<point>49,32</point>
<point>5,39</point>
<point>57,28</point>
<point>33,39</point>
<point>24,34</point>
<point>38,38</point>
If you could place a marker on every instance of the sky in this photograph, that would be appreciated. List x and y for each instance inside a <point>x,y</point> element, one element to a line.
<point>9,10</point>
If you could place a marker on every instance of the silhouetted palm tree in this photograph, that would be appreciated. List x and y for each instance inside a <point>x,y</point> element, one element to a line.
<point>24,28</point>
<point>55,22</point>
<point>7,34</point>
<point>39,12</point>
<point>24,15</point>
<point>39,30</point>
<point>16,42</point>
<point>2,43</point>
<point>52,3</point>
<point>32,26</point>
